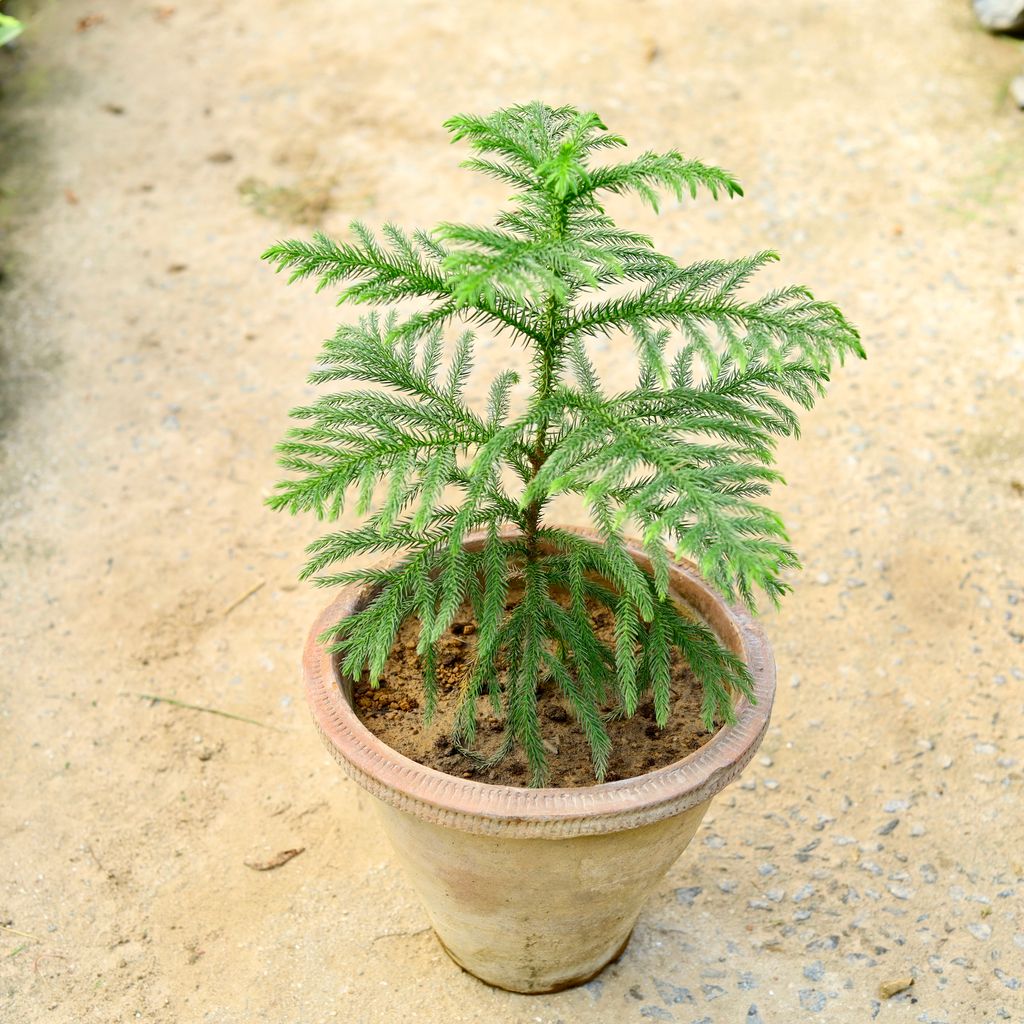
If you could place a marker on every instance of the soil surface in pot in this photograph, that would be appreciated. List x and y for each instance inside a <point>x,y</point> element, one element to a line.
<point>394,713</point>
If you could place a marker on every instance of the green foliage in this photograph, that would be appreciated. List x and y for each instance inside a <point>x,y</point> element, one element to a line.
<point>10,28</point>
<point>682,458</point>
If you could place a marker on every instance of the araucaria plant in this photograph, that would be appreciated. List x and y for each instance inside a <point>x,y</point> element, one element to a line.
<point>680,458</point>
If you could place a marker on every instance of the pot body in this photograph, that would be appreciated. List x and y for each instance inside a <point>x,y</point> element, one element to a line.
<point>534,890</point>
<point>535,915</point>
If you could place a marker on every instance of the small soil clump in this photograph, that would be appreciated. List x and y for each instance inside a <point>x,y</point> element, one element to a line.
<point>394,713</point>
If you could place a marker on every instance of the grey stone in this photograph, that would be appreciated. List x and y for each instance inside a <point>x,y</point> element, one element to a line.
<point>655,1013</point>
<point>1000,15</point>
<point>815,971</point>
<point>981,931</point>
<point>753,1017</point>
<point>687,895</point>
<point>673,994</point>
<point>712,991</point>
<point>813,1000</point>
<point>1009,981</point>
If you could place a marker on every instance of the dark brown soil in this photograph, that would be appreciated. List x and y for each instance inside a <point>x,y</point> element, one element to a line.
<point>394,713</point>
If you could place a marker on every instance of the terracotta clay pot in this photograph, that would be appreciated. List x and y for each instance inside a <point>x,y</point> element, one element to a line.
<point>536,890</point>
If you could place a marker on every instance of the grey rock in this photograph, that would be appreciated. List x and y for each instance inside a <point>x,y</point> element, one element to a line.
<point>746,982</point>
<point>712,991</point>
<point>753,1017</point>
<point>687,895</point>
<point>673,994</point>
<point>981,931</point>
<point>655,1013</point>
<point>1000,15</point>
<point>1008,980</point>
<point>812,1000</point>
<point>815,971</point>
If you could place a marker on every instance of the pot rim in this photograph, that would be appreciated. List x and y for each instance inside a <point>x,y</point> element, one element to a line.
<point>522,812</point>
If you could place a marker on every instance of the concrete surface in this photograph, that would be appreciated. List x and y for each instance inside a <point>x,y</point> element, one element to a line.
<point>148,154</point>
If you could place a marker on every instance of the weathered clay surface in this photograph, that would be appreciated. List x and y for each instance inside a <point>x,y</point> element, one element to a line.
<point>535,915</point>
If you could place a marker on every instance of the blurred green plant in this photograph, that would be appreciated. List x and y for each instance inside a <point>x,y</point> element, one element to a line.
<point>10,28</point>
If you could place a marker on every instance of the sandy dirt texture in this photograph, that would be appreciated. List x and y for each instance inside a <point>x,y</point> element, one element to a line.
<point>148,154</point>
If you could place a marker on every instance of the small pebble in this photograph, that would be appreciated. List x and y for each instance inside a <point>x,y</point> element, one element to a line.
<point>981,931</point>
<point>888,989</point>
<point>812,1000</point>
<point>687,895</point>
<point>815,971</point>
<point>1008,980</point>
<point>673,994</point>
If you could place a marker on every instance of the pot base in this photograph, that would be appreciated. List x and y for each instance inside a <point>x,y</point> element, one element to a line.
<point>560,987</point>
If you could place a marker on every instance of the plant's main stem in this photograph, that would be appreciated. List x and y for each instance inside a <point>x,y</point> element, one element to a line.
<point>545,382</point>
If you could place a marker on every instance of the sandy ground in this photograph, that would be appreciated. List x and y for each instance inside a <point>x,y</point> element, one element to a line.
<point>148,363</point>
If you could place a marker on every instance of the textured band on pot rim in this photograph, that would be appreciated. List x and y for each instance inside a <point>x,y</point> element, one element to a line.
<point>520,812</point>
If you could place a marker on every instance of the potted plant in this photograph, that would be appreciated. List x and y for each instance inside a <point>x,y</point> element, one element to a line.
<point>534,888</point>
